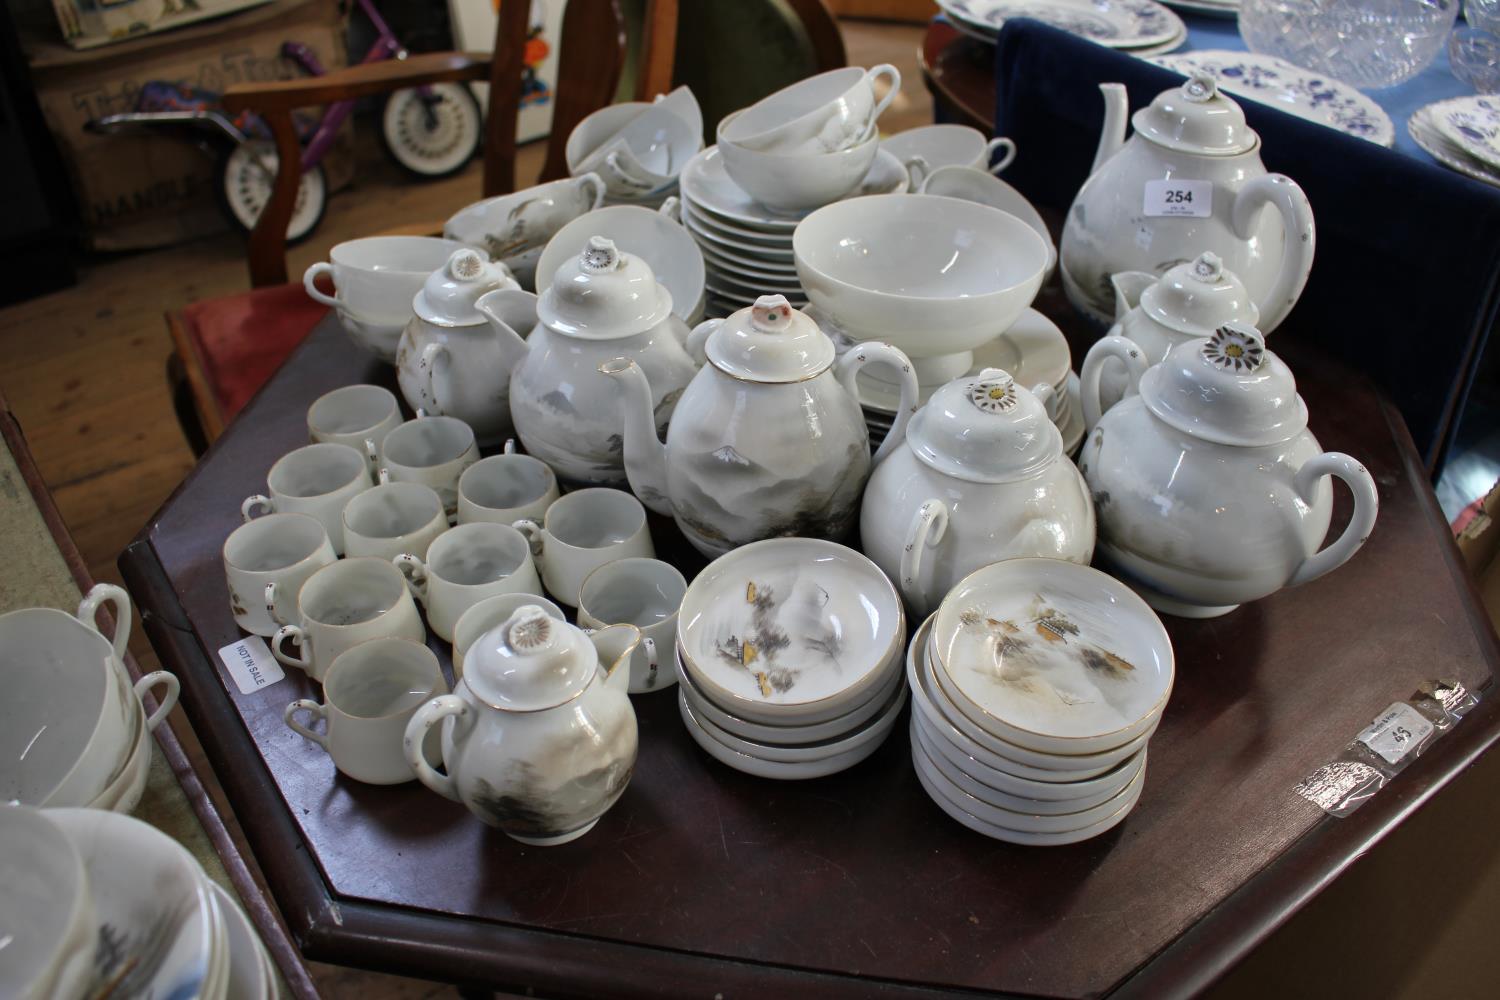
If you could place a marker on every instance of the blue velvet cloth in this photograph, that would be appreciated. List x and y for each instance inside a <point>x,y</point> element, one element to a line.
<point>1406,283</point>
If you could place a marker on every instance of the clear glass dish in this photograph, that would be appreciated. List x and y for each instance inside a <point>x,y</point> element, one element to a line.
<point>1368,43</point>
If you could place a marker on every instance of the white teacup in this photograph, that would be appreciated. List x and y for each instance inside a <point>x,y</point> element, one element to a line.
<point>370,693</point>
<point>464,566</point>
<point>317,480</point>
<point>266,562</point>
<point>645,593</point>
<point>344,604</point>
<point>433,451</point>
<point>823,113</point>
<point>938,146</point>
<point>581,532</point>
<point>515,228</point>
<point>359,416</point>
<point>491,613</point>
<point>797,182</point>
<point>505,488</point>
<point>375,279</point>
<point>393,518</point>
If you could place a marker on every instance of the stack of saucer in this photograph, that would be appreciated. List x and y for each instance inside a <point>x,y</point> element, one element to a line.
<point>789,658</point>
<point>1463,134</point>
<point>124,911</point>
<point>1036,686</point>
<point>1141,28</point>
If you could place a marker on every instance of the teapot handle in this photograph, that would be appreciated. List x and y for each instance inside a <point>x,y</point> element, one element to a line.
<point>1366,506</point>
<point>699,337</point>
<point>119,602</point>
<point>1129,354</point>
<point>426,717</point>
<point>1297,256</point>
<point>427,370</point>
<point>928,525</point>
<point>867,353</point>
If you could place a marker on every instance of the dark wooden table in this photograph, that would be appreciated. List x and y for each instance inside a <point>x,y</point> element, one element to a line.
<point>960,75</point>
<point>703,881</point>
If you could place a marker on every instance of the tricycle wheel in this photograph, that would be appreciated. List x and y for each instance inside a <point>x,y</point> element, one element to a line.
<point>246,173</point>
<point>432,135</point>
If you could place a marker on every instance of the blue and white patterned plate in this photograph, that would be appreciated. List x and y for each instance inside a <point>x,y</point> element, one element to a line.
<point>1472,124</point>
<point>1290,88</point>
<point>1119,24</point>
<point>1425,133</point>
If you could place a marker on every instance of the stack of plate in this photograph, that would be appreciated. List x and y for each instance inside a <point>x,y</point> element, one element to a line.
<point>1208,8</point>
<point>747,248</point>
<point>1462,134</point>
<point>1036,686</point>
<point>1139,27</point>
<point>145,921</point>
<point>789,658</point>
<point>1034,351</point>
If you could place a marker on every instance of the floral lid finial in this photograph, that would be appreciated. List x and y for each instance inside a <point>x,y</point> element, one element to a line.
<point>1236,347</point>
<point>995,393</point>
<point>771,314</point>
<point>600,255</point>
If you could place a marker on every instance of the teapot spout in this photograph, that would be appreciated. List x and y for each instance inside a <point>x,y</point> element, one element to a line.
<point>616,645</point>
<point>645,455</point>
<point>512,315</point>
<point>1128,288</point>
<point>1112,136</point>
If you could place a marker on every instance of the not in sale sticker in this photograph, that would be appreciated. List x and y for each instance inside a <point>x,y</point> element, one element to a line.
<point>251,664</point>
<point>1174,197</point>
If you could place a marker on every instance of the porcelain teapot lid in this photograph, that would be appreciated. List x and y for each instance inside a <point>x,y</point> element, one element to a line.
<point>447,296</point>
<point>603,294</point>
<point>1198,297</point>
<point>770,342</point>
<point>1227,389</point>
<point>984,428</point>
<point>1196,118</point>
<point>531,662</point>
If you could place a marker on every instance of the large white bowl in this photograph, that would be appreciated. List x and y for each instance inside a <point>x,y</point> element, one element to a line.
<point>929,275</point>
<point>796,182</point>
<point>47,913</point>
<point>650,235</point>
<point>984,188</point>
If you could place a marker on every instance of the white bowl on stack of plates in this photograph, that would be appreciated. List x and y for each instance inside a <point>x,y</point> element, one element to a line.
<point>789,654</point>
<point>1036,687</point>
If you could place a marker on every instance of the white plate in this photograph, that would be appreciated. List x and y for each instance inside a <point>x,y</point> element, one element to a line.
<point>777,246</point>
<point>752,286</point>
<point>1427,136</point>
<point>706,185</point>
<point>247,959</point>
<point>738,299</point>
<point>874,730</point>
<point>1051,656</point>
<point>156,917</point>
<point>735,264</point>
<point>1119,24</point>
<point>770,769</point>
<point>1470,123</point>
<point>1292,89</point>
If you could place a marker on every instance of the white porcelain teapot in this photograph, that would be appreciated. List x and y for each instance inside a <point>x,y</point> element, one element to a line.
<point>603,304</point>
<point>768,439</point>
<point>1155,314</point>
<point>449,361</point>
<point>1190,179</point>
<point>979,477</point>
<point>543,737</point>
<point>1209,488</point>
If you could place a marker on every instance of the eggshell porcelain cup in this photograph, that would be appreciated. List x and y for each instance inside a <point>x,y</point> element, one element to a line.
<point>266,562</point>
<point>359,416</point>
<point>581,532</point>
<point>352,601</point>
<point>464,566</point>
<point>505,488</point>
<point>317,480</point>
<point>393,518</point>
<point>433,451</point>
<point>645,593</point>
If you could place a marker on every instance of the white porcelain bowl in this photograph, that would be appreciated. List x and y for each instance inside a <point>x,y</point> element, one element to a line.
<point>796,182</point>
<point>48,922</point>
<point>514,228</point>
<point>930,275</point>
<point>982,187</point>
<point>829,111</point>
<point>790,630</point>
<point>650,235</point>
<point>124,792</point>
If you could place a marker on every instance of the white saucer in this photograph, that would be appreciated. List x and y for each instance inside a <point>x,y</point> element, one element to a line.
<point>780,771</point>
<point>775,246</point>
<point>1118,24</point>
<point>706,185</point>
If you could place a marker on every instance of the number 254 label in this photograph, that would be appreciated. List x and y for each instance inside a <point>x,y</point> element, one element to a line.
<point>1179,198</point>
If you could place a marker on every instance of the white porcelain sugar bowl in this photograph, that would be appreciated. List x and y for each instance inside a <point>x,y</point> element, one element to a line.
<point>979,477</point>
<point>543,737</point>
<point>1190,179</point>
<point>1209,488</point>
<point>1155,314</point>
<point>768,440</point>
<point>603,304</point>
<point>449,360</point>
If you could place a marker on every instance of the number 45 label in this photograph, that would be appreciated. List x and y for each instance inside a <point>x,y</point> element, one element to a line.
<point>1180,198</point>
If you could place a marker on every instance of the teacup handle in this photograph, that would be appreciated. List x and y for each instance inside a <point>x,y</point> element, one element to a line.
<point>1361,523</point>
<point>312,708</point>
<point>429,715</point>
<point>619,173</point>
<point>1129,354</point>
<point>271,593</point>
<point>918,171</point>
<point>872,351</point>
<point>699,337</point>
<point>257,500</point>
<point>372,454</point>
<point>892,74</point>
<point>119,602</point>
<point>383,476</point>
<point>592,182</point>
<point>672,209</point>
<point>415,572</point>
<point>299,639</point>
<point>166,702</point>
<point>535,534</point>
<point>928,526</point>
<point>998,143</point>
<point>649,645</point>
<point>509,447</point>
<point>427,367</point>
<point>317,294</point>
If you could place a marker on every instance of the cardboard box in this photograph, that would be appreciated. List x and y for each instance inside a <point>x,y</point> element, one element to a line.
<point>136,191</point>
<point>90,23</point>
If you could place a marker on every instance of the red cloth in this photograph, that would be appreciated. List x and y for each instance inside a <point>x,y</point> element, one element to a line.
<point>240,340</point>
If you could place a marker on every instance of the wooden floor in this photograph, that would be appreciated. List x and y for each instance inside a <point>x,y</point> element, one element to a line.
<point>84,369</point>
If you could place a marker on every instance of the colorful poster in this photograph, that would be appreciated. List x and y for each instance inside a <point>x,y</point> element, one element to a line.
<point>474,24</point>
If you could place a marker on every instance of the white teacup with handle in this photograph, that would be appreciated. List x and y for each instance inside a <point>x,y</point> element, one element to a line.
<point>266,562</point>
<point>342,605</point>
<point>317,480</point>
<point>359,416</point>
<point>465,565</point>
<point>582,531</point>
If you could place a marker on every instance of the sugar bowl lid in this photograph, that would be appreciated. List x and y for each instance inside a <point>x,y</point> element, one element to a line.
<point>770,342</point>
<point>1196,118</point>
<point>530,662</point>
<point>603,293</point>
<point>1227,389</point>
<point>1198,297</point>
<point>447,296</point>
<point>986,429</point>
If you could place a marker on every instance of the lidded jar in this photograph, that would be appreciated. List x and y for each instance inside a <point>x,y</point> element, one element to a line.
<point>980,476</point>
